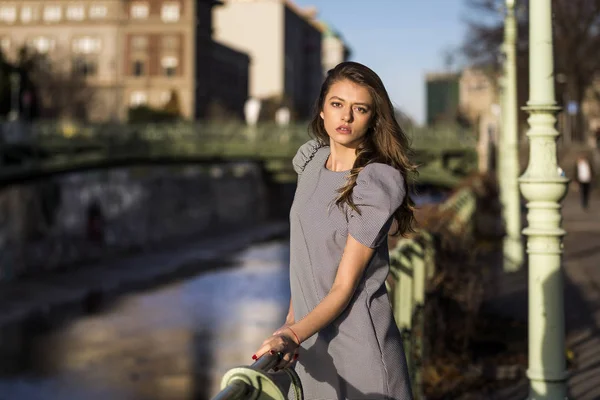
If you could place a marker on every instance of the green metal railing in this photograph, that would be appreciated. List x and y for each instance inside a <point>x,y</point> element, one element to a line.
<point>256,382</point>
<point>413,265</point>
<point>460,207</point>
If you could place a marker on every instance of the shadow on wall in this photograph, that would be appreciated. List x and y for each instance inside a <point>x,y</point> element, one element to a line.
<point>86,215</point>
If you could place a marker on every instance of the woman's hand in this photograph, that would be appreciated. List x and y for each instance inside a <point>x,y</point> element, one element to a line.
<point>282,341</point>
<point>283,328</point>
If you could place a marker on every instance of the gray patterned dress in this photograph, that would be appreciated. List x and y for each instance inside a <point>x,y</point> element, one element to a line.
<point>360,354</point>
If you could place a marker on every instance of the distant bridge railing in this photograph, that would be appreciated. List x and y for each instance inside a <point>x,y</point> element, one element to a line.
<point>445,153</point>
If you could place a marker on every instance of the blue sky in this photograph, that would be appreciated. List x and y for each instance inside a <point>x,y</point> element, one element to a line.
<point>401,40</point>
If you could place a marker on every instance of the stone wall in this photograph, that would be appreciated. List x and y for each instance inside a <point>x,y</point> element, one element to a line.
<point>79,217</point>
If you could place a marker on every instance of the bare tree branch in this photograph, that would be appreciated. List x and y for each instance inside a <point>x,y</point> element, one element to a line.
<point>576,28</point>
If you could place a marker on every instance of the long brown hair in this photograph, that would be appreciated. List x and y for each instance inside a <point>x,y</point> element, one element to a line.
<point>385,141</point>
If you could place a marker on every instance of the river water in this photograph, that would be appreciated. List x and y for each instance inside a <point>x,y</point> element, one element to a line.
<point>173,341</point>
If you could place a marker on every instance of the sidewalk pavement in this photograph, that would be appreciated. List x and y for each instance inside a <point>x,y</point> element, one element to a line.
<point>581,263</point>
<point>41,295</point>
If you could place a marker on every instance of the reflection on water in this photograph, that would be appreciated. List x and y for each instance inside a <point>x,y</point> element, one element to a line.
<point>173,342</point>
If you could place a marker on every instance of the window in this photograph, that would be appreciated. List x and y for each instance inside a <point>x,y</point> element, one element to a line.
<point>169,65</point>
<point>86,45</point>
<point>139,43</point>
<point>76,12</point>
<point>8,14</point>
<point>170,42</point>
<point>139,10</point>
<point>52,13</point>
<point>85,66</point>
<point>138,98</point>
<point>170,12</point>
<point>26,14</point>
<point>98,11</point>
<point>138,68</point>
<point>42,44</point>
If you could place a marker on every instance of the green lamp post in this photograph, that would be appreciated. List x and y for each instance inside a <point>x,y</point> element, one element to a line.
<point>544,188</point>
<point>509,163</point>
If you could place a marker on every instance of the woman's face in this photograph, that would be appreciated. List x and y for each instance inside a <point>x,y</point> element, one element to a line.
<point>347,113</point>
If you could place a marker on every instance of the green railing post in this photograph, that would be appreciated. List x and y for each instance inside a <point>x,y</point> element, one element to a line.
<point>419,274</point>
<point>404,291</point>
<point>544,188</point>
<point>412,263</point>
<point>513,247</point>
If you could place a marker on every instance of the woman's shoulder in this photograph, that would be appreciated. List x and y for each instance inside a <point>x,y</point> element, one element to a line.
<point>305,155</point>
<point>380,173</point>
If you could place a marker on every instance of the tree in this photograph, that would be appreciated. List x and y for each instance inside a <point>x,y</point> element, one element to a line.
<point>143,113</point>
<point>270,105</point>
<point>146,114</point>
<point>172,107</point>
<point>576,28</point>
<point>63,91</point>
<point>17,76</point>
<point>47,88</point>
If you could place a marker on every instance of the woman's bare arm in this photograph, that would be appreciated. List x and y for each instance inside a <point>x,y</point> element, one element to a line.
<point>354,260</point>
<point>289,319</point>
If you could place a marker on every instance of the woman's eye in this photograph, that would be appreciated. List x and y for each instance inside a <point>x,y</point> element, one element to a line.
<point>336,104</point>
<point>361,110</point>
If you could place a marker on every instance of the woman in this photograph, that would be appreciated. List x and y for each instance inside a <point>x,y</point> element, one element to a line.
<point>351,189</point>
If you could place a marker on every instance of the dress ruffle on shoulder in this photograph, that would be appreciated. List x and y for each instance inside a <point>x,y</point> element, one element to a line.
<point>305,153</point>
<point>379,191</point>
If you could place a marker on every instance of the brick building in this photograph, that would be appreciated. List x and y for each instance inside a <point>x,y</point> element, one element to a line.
<point>131,52</point>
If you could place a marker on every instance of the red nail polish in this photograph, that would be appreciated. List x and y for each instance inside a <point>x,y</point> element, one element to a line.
<point>254,357</point>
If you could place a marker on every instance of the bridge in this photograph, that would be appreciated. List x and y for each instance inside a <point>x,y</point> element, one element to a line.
<point>445,154</point>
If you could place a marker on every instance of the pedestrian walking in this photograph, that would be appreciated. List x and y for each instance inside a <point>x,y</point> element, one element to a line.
<point>584,174</point>
<point>340,334</point>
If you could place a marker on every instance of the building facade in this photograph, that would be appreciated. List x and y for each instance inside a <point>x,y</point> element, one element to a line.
<point>478,95</point>
<point>334,49</point>
<point>470,98</point>
<point>131,52</point>
<point>229,77</point>
<point>479,104</point>
<point>591,114</point>
<point>442,91</point>
<point>284,45</point>
<point>79,38</point>
<point>158,47</point>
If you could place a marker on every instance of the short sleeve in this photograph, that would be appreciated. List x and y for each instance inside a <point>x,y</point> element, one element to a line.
<point>304,154</point>
<point>378,193</point>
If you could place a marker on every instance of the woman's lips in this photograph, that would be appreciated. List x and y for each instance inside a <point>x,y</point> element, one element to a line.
<point>346,130</point>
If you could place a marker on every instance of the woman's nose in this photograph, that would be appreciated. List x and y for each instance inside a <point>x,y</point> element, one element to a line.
<point>347,116</point>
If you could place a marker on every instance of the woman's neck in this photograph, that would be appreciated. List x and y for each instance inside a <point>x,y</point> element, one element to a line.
<point>340,158</point>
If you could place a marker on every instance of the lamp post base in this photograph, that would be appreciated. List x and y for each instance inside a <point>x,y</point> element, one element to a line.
<point>513,254</point>
<point>548,391</point>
